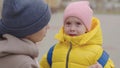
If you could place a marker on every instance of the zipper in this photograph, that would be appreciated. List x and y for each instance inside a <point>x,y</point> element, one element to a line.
<point>67,59</point>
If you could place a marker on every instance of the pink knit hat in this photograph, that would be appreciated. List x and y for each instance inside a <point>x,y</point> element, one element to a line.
<point>80,10</point>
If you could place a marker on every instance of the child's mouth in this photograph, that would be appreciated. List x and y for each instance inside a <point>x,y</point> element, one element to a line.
<point>72,34</point>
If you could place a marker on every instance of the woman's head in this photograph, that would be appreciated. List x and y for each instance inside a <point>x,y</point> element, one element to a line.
<point>38,36</point>
<point>23,18</point>
<point>80,10</point>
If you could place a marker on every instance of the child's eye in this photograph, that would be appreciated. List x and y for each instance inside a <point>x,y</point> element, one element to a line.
<point>78,23</point>
<point>68,23</point>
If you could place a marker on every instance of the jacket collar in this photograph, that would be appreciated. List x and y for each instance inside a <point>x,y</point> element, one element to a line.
<point>94,36</point>
<point>13,45</point>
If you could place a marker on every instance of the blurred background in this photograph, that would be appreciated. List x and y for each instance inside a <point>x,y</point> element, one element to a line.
<point>99,6</point>
<point>108,11</point>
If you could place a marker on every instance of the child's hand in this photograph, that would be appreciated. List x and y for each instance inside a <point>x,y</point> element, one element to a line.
<point>97,65</point>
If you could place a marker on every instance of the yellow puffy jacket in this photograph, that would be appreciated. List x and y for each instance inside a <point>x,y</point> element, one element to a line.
<point>79,51</point>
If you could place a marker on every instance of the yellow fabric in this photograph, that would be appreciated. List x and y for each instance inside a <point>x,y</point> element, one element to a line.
<point>85,49</point>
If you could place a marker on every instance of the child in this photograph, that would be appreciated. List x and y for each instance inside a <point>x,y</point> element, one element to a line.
<point>23,23</point>
<point>80,41</point>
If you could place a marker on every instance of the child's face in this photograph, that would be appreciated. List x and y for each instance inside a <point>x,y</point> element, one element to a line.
<point>73,26</point>
<point>36,37</point>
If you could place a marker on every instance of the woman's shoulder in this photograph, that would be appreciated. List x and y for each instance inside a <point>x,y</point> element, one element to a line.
<point>19,61</point>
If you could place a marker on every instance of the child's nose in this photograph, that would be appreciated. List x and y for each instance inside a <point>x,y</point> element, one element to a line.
<point>72,28</point>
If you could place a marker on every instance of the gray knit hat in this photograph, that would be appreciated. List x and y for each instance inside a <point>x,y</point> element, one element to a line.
<point>24,17</point>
